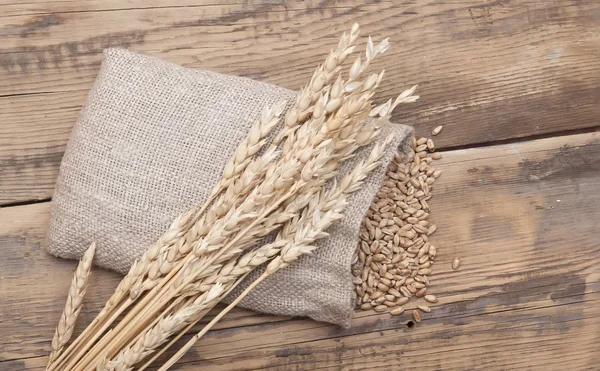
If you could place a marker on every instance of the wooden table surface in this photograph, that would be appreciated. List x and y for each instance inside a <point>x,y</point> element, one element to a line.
<point>516,85</point>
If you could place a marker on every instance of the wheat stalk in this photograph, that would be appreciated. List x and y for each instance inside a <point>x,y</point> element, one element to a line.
<point>319,82</point>
<point>77,290</point>
<point>183,316</point>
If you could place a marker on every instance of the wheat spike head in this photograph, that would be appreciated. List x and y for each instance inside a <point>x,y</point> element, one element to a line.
<point>77,290</point>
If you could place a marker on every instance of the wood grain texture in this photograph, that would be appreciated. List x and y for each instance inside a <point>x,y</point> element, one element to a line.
<point>524,218</point>
<point>33,132</point>
<point>488,70</point>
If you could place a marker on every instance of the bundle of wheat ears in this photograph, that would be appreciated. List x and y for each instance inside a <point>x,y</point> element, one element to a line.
<point>288,187</point>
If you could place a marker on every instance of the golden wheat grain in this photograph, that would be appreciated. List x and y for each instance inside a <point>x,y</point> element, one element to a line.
<point>395,254</point>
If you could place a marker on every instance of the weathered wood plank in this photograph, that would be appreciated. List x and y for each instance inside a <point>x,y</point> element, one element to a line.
<point>41,7</point>
<point>487,70</point>
<point>526,295</point>
<point>496,341</point>
<point>34,131</point>
<point>512,339</point>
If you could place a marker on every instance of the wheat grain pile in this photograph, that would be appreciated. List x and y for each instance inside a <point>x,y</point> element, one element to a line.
<point>395,257</point>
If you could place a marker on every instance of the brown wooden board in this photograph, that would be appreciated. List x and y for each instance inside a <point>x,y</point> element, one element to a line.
<point>488,70</point>
<point>524,218</point>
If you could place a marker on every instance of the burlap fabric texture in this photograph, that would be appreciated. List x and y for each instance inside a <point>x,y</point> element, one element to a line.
<point>151,141</point>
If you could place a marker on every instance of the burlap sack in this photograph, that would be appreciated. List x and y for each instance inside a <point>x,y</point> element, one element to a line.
<point>151,142</point>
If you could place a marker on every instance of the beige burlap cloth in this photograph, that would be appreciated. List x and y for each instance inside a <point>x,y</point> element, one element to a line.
<point>151,141</point>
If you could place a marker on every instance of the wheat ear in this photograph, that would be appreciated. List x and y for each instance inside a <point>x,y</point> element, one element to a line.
<point>323,107</point>
<point>77,290</point>
<point>319,82</point>
<point>161,331</point>
<point>256,139</point>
